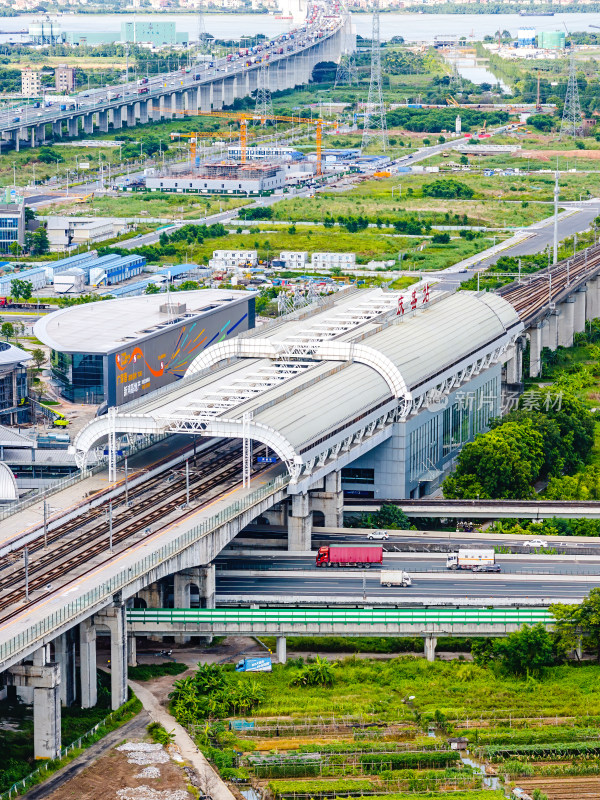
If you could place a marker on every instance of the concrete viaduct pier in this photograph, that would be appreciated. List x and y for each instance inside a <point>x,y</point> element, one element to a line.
<point>554,305</point>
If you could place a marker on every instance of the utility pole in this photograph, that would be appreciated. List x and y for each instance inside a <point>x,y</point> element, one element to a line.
<point>187,482</point>
<point>203,48</point>
<point>126,484</point>
<point>45,525</point>
<point>556,193</point>
<point>375,123</point>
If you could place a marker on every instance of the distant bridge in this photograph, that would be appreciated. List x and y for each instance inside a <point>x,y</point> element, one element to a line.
<point>204,87</point>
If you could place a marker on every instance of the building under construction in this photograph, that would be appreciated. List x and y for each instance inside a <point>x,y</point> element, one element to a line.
<point>226,177</point>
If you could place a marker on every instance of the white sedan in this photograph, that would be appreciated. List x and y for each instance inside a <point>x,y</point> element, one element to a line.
<point>535,543</point>
<point>378,535</point>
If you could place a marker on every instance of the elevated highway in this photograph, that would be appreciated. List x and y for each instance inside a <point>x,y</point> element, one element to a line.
<point>483,509</point>
<point>428,623</point>
<point>209,86</point>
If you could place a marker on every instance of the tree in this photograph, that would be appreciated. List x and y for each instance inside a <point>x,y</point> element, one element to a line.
<point>20,289</point>
<point>38,356</point>
<point>152,288</point>
<point>527,651</point>
<point>500,464</point>
<point>40,244</point>
<point>448,188</point>
<point>7,330</point>
<point>574,622</point>
<point>187,286</point>
<point>319,673</point>
<point>390,516</point>
<point>15,248</point>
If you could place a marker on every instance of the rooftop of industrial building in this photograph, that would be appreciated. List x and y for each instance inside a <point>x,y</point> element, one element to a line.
<point>104,326</point>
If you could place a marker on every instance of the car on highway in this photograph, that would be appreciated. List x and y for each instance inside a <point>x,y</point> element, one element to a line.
<point>487,568</point>
<point>378,535</point>
<point>535,543</point>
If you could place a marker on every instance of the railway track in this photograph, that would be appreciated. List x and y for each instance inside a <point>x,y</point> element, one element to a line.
<point>87,516</point>
<point>532,296</point>
<point>53,564</point>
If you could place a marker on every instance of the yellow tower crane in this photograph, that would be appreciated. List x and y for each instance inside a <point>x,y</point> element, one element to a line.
<point>193,137</point>
<point>244,117</point>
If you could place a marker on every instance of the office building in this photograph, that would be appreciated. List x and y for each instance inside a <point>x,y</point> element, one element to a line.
<point>13,384</point>
<point>326,261</point>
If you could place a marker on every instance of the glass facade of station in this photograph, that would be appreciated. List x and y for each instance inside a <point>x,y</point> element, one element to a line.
<point>416,458</point>
<point>80,376</point>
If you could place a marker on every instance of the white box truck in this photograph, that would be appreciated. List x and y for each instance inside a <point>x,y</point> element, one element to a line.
<point>471,559</point>
<point>395,577</point>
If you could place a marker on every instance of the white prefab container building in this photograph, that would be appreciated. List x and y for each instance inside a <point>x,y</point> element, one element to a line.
<point>232,259</point>
<point>294,258</point>
<point>35,276</point>
<point>333,260</point>
<point>71,281</point>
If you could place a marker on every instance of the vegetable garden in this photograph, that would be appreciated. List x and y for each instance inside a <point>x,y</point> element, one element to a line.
<point>361,728</point>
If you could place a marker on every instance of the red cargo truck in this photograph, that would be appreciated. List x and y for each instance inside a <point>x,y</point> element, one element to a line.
<point>349,556</point>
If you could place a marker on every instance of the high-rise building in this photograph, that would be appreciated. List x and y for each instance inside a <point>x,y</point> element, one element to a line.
<point>64,78</point>
<point>31,83</point>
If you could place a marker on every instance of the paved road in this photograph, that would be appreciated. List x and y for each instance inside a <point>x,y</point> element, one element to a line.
<point>551,565</point>
<point>422,541</point>
<point>455,588</point>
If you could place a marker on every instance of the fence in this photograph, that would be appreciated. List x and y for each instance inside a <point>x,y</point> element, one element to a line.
<point>20,786</point>
<point>117,582</point>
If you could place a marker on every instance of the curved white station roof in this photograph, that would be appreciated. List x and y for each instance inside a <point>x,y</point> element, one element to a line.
<point>304,382</point>
<point>109,324</point>
<point>8,484</point>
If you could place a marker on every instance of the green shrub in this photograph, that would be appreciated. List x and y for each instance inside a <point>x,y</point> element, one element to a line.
<point>145,672</point>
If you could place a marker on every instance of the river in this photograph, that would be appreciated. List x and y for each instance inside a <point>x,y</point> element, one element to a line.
<point>413,27</point>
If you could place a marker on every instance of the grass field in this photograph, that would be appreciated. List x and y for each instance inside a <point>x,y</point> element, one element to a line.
<point>370,244</point>
<point>375,201</point>
<point>170,206</point>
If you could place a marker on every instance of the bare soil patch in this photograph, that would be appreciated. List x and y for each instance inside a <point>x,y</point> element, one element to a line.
<point>113,774</point>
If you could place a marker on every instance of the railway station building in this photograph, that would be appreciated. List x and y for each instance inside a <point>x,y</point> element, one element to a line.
<point>372,395</point>
<point>120,350</point>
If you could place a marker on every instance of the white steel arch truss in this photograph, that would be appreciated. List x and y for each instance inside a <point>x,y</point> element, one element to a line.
<point>311,349</point>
